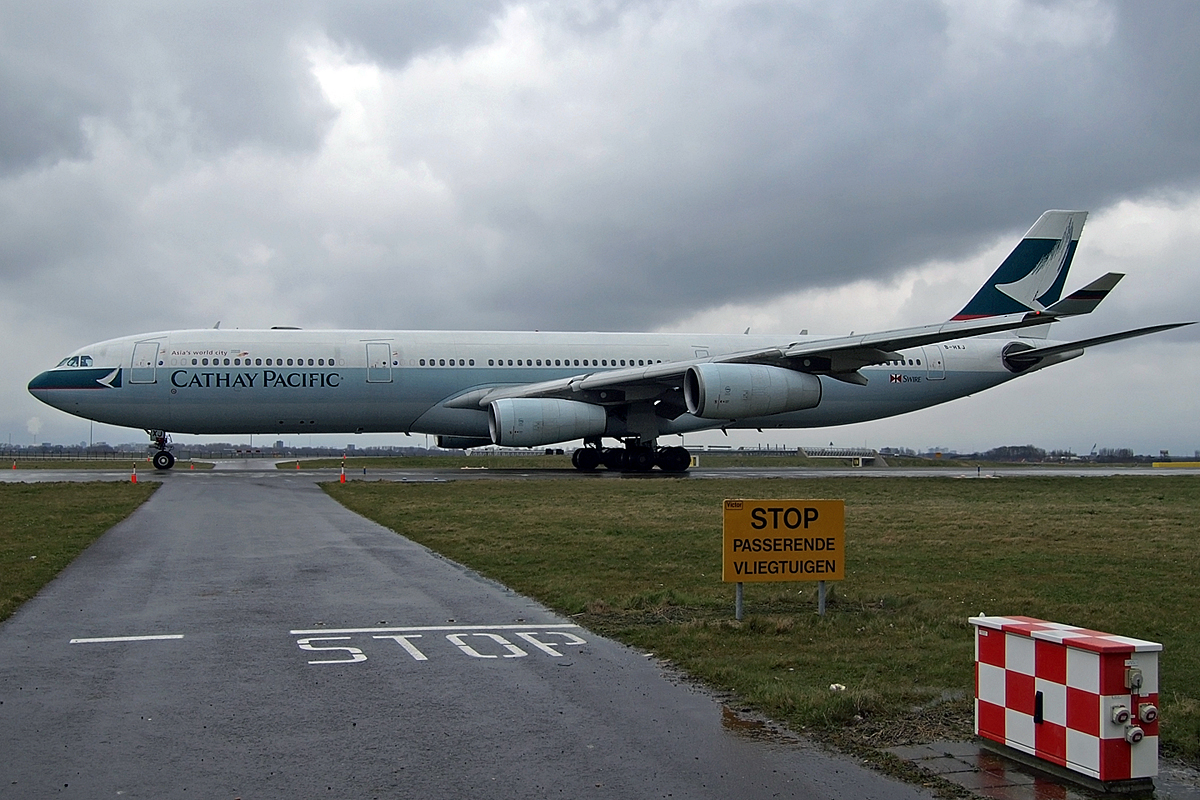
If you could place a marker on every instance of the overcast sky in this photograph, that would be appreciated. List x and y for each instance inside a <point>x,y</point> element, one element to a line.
<point>608,166</point>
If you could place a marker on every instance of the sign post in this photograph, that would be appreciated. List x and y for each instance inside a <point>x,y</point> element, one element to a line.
<point>784,540</point>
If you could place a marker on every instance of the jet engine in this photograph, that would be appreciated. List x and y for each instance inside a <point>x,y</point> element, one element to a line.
<point>533,422</point>
<point>741,391</point>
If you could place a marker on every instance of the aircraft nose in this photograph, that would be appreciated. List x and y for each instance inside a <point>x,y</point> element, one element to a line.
<point>42,388</point>
<point>41,382</point>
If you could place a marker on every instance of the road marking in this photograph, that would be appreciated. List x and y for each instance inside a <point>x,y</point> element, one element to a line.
<point>429,628</point>
<point>127,638</point>
<point>549,639</point>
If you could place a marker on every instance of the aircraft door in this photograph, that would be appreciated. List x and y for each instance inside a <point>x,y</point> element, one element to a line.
<point>379,362</point>
<point>145,359</point>
<point>935,362</point>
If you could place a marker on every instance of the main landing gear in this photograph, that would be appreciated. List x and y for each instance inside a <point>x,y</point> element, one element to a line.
<point>163,458</point>
<point>631,458</point>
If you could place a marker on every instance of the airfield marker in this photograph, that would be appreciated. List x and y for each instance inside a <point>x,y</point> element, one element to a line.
<point>343,480</point>
<point>134,478</point>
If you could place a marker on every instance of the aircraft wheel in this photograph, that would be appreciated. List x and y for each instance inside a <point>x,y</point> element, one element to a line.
<point>674,459</point>
<point>639,459</point>
<point>613,458</point>
<point>585,459</point>
<point>163,460</point>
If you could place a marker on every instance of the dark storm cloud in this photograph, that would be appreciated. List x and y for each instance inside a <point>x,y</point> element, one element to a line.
<point>218,75</point>
<point>804,148</point>
<point>605,165</point>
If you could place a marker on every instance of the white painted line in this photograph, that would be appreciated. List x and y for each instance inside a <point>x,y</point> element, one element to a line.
<point>127,638</point>
<point>551,626</point>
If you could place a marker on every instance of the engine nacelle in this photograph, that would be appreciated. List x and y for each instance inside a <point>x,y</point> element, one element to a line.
<point>742,391</point>
<point>533,422</point>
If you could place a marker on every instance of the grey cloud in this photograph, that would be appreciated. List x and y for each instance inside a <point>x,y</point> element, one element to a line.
<point>666,158</point>
<point>392,33</point>
<point>815,148</point>
<point>214,75</point>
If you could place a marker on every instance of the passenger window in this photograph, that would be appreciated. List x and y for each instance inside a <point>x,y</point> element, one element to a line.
<point>258,362</point>
<point>471,362</point>
<point>510,362</point>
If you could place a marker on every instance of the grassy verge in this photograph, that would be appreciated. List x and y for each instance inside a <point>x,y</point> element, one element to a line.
<point>109,464</point>
<point>44,526</point>
<point>639,560</point>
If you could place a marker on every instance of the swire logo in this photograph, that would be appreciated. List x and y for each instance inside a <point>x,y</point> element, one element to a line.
<point>897,378</point>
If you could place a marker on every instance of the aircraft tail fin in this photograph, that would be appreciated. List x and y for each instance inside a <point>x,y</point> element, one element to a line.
<point>1033,275</point>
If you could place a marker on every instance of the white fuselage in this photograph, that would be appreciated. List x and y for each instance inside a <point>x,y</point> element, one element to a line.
<point>296,381</point>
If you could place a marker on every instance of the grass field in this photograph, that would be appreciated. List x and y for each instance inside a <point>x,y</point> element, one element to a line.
<point>105,464</point>
<point>640,560</point>
<point>43,526</point>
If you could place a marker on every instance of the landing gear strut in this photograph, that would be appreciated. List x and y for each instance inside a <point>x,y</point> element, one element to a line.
<point>163,458</point>
<point>632,457</point>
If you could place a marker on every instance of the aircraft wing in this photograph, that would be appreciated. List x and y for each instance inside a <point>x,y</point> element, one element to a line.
<point>838,357</point>
<point>1027,358</point>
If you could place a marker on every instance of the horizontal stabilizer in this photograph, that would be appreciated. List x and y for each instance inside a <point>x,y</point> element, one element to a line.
<point>1085,300</point>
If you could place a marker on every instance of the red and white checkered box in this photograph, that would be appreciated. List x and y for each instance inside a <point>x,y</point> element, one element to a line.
<point>1078,698</point>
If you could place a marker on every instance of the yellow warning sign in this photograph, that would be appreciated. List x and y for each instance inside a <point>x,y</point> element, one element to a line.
<point>784,540</point>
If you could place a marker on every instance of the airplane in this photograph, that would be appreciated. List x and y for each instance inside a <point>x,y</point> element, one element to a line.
<point>532,389</point>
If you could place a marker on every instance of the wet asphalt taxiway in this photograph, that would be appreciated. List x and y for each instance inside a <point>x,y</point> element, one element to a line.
<point>243,635</point>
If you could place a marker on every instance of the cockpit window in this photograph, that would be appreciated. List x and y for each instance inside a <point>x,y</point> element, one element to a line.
<point>76,361</point>
<point>85,361</point>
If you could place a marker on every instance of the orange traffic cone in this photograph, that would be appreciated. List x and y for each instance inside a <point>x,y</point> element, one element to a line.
<point>134,478</point>
<point>193,466</point>
<point>297,463</point>
<point>14,465</point>
<point>343,480</point>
